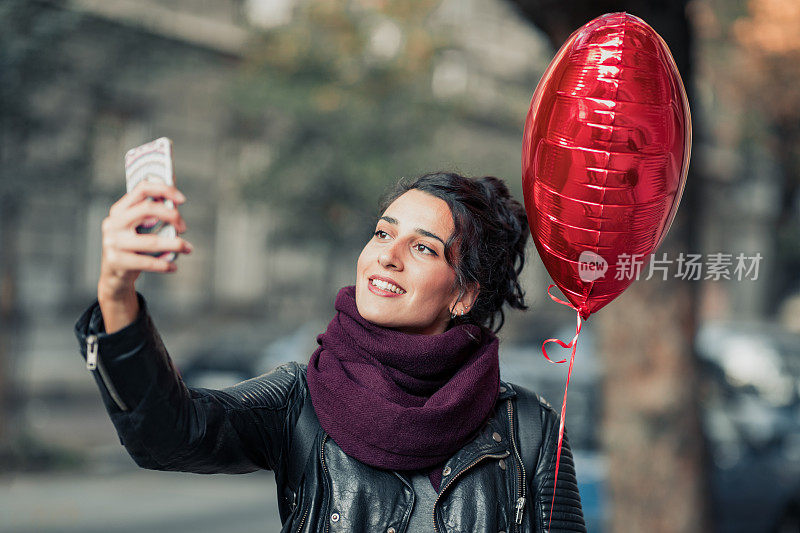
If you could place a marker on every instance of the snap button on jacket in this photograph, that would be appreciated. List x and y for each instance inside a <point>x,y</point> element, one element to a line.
<point>165,425</point>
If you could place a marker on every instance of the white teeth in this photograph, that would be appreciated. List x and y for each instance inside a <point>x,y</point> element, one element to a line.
<point>387,286</point>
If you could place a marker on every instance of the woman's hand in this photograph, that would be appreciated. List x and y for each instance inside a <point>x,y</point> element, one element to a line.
<point>121,264</point>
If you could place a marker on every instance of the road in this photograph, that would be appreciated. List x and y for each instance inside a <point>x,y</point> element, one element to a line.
<point>138,500</point>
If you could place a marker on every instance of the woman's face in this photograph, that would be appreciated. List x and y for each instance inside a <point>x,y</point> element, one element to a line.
<point>407,251</point>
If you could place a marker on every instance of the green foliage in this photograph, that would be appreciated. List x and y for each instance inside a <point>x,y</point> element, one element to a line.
<point>345,119</point>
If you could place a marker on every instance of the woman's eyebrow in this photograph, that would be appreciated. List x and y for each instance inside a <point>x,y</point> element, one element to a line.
<point>420,231</point>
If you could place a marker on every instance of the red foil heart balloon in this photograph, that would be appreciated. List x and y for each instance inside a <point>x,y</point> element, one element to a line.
<point>604,157</point>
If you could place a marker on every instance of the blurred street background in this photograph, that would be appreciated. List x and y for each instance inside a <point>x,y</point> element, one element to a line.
<point>289,118</point>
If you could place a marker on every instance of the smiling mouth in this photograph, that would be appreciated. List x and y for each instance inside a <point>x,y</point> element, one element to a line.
<point>386,286</point>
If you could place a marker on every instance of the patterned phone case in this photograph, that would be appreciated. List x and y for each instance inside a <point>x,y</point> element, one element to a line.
<point>152,162</point>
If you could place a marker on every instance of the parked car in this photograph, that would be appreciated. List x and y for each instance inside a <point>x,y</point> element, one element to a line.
<point>751,393</point>
<point>231,357</point>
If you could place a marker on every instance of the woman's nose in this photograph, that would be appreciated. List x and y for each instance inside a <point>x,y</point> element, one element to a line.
<point>390,258</point>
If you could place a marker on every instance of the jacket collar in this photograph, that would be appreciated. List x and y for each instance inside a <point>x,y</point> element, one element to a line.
<point>486,445</point>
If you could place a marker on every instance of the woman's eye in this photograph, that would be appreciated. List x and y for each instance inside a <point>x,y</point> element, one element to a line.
<point>430,251</point>
<point>380,233</point>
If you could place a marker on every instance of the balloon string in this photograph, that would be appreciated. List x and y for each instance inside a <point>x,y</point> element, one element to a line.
<point>572,344</point>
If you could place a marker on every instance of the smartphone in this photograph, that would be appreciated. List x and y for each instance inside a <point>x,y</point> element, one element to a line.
<point>152,162</point>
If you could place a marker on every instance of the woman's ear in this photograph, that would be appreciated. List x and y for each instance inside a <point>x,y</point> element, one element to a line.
<point>470,297</point>
<point>466,300</point>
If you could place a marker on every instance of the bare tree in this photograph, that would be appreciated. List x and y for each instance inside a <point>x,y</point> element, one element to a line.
<point>769,48</point>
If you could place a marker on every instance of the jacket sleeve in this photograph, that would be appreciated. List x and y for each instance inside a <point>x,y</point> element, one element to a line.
<point>567,512</point>
<point>165,425</point>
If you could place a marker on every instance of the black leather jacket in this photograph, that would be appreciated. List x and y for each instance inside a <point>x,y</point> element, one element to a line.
<point>502,481</point>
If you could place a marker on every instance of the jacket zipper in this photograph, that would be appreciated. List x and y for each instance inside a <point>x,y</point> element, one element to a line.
<point>325,468</point>
<point>93,362</point>
<point>520,505</point>
<point>302,521</point>
<point>305,514</point>
<point>452,479</point>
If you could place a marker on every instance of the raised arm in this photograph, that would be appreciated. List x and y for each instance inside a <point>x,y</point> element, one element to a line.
<point>165,425</point>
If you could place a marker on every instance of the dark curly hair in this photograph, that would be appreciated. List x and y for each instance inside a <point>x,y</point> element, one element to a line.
<point>488,244</point>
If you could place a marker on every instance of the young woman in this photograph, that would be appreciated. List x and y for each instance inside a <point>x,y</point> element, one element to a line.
<point>400,421</point>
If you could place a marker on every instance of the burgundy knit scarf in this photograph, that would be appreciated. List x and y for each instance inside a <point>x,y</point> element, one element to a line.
<point>400,401</point>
